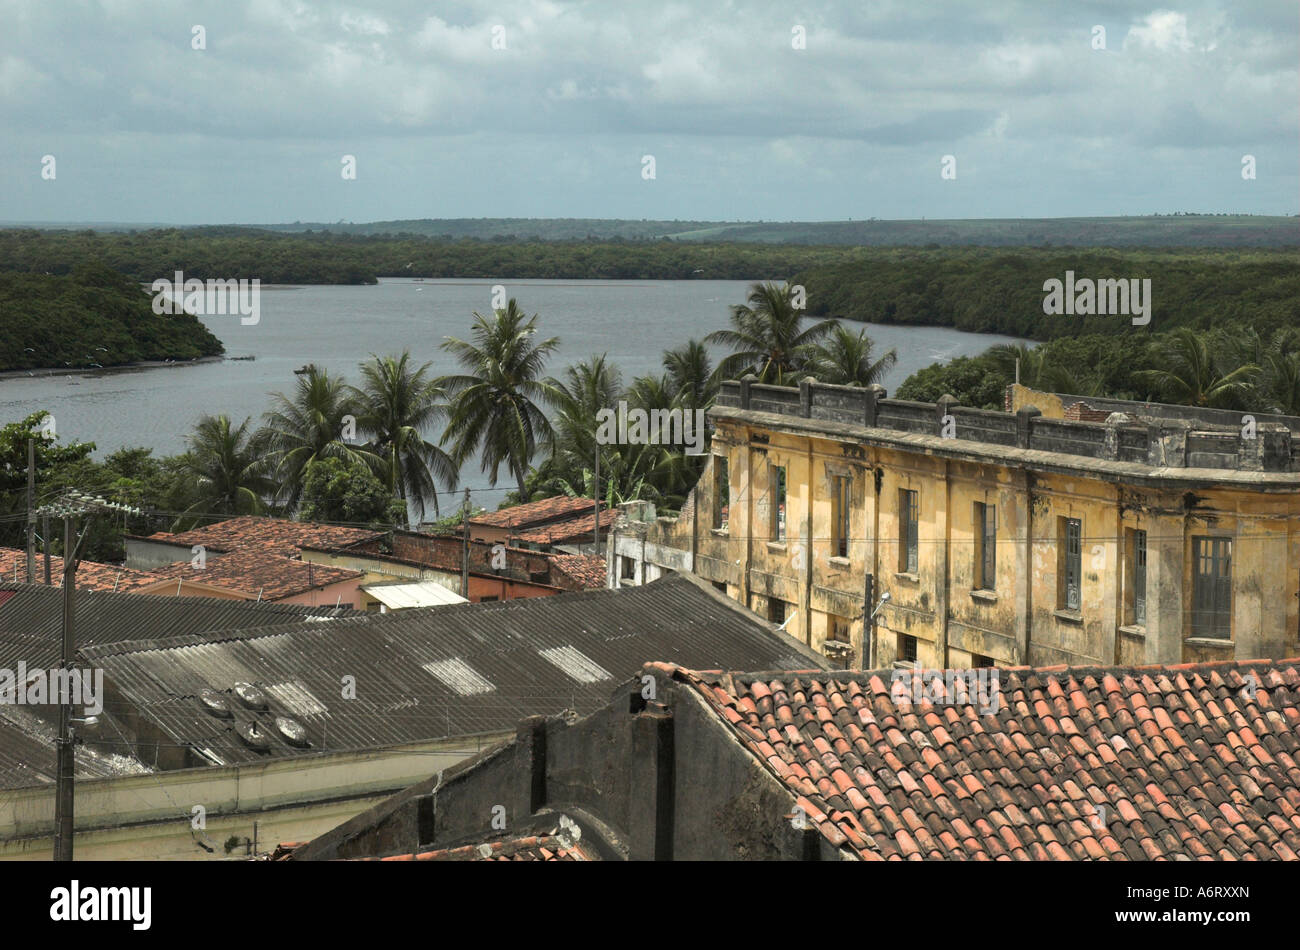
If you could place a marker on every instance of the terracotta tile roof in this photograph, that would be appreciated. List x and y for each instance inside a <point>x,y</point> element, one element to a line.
<point>91,575</point>
<point>575,529</point>
<point>534,848</point>
<point>248,572</point>
<point>535,512</point>
<point>268,535</point>
<point>1198,761</point>
<point>584,571</point>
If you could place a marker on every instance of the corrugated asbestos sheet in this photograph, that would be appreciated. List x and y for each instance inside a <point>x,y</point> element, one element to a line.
<point>28,756</point>
<point>31,620</point>
<point>440,671</point>
<point>31,629</point>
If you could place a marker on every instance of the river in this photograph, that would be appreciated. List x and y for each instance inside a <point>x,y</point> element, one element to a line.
<point>337,327</point>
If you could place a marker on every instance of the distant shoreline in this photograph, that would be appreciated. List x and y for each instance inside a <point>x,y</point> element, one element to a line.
<point>48,371</point>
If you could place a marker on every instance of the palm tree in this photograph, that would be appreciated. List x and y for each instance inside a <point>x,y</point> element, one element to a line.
<point>1037,371</point>
<point>765,336</point>
<point>666,469</point>
<point>1280,381</point>
<point>586,389</point>
<point>309,426</point>
<point>845,359</point>
<point>226,469</point>
<point>396,404</point>
<point>1031,359</point>
<point>691,373</point>
<point>1193,377</point>
<point>495,410</point>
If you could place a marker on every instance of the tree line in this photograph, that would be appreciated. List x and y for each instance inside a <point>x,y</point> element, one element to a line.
<point>989,290</point>
<point>329,258</point>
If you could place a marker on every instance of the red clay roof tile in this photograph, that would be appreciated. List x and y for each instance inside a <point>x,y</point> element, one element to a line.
<point>1150,764</point>
<point>268,536</point>
<point>91,575</point>
<point>541,511</point>
<point>251,573</point>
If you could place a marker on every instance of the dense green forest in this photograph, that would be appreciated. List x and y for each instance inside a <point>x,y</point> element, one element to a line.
<point>91,316</point>
<point>985,290</point>
<point>226,253</point>
<point>1171,230</point>
<point>973,288</point>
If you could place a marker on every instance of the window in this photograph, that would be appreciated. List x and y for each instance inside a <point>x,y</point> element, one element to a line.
<point>907,535</point>
<point>720,586</point>
<point>978,661</point>
<point>1135,606</point>
<point>776,611</point>
<point>841,509</point>
<point>1212,588</point>
<point>986,546</point>
<point>484,600</point>
<point>627,568</point>
<point>721,492</point>
<point>839,634</point>
<point>1071,562</point>
<point>907,648</point>
<point>778,502</point>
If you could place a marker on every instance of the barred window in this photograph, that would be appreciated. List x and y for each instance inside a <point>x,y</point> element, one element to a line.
<point>1072,566</point>
<point>907,531</point>
<point>986,546</point>
<point>843,493</point>
<point>778,503</point>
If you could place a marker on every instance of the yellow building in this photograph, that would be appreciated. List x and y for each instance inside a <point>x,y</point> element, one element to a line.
<point>1058,533</point>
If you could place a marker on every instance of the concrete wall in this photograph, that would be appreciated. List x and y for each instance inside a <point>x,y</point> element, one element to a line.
<point>143,554</point>
<point>646,780</point>
<point>151,817</point>
<point>405,563</point>
<point>345,593</point>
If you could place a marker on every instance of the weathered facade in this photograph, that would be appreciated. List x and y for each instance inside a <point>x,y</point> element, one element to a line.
<point>1001,538</point>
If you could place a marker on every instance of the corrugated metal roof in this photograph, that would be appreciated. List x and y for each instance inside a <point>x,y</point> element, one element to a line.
<point>31,620</point>
<point>383,679</point>
<point>416,594</point>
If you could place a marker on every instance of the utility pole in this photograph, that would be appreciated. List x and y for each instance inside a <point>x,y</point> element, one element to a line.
<point>31,511</point>
<point>464,552</point>
<point>63,805</point>
<point>68,507</point>
<point>597,494</point>
<point>45,539</point>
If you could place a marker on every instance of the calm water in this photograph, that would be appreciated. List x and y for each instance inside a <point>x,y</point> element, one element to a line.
<point>337,327</point>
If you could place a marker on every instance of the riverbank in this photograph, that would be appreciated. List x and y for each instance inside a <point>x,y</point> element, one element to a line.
<point>90,319</point>
<point>110,370</point>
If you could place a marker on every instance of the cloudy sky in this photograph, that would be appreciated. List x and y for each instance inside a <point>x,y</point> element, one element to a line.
<point>741,123</point>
